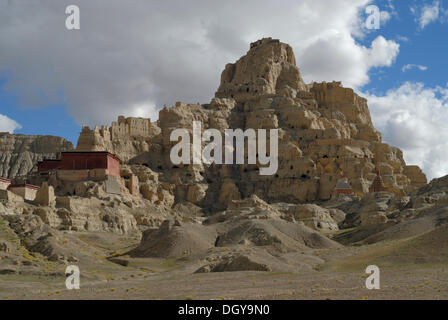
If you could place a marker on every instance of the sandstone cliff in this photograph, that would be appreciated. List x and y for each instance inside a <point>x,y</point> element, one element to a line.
<point>19,153</point>
<point>126,138</point>
<point>325,131</point>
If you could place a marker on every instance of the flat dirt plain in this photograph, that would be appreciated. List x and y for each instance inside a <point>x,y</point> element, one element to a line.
<point>342,276</point>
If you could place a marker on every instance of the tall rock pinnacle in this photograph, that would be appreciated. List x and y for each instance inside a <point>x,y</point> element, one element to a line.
<point>268,68</point>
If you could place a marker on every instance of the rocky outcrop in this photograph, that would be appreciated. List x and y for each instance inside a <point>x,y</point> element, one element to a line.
<point>383,216</point>
<point>313,216</point>
<point>19,153</point>
<point>88,215</point>
<point>39,237</point>
<point>269,68</point>
<point>126,138</point>
<point>325,131</point>
<point>45,195</point>
<point>416,175</point>
<point>435,194</point>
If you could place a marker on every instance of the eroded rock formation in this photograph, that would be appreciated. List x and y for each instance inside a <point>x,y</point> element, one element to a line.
<point>226,217</point>
<point>19,153</point>
<point>126,138</point>
<point>325,130</point>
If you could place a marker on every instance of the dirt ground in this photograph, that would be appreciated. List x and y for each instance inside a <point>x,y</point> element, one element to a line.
<point>342,277</point>
<point>410,268</point>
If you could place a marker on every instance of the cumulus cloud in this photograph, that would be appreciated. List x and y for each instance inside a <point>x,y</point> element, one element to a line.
<point>348,62</point>
<point>428,14</point>
<point>133,58</point>
<point>412,66</point>
<point>413,118</point>
<point>8,125</point>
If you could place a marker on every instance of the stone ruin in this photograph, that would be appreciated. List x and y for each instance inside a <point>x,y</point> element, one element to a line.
<point>126,137</point>
<point>325,130</point>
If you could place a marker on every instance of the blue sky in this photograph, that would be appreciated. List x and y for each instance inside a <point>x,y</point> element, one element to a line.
<point>134,59</point>
<point>48,120</point>
<point>426,47</point>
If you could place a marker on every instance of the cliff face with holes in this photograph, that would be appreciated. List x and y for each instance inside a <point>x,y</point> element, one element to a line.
<point>19,153</point>
<point>325,131</point>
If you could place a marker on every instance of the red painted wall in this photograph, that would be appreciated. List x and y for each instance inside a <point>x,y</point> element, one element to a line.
<point>83,161</point>
<point>47,165</point>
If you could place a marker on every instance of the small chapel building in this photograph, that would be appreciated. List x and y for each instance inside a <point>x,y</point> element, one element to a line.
<point>83,161</point>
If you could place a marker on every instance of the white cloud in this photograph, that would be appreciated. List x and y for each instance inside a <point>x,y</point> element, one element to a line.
<point>402,38</point>
<point>382,53</point>
<point>413,118</point>
<point>347,62</point>
<point>145,111</point>
<point>149,53</point>
<point>8,125</point>
<point>385,17</point>
<point>429,13</point>
<point>412,66</point>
